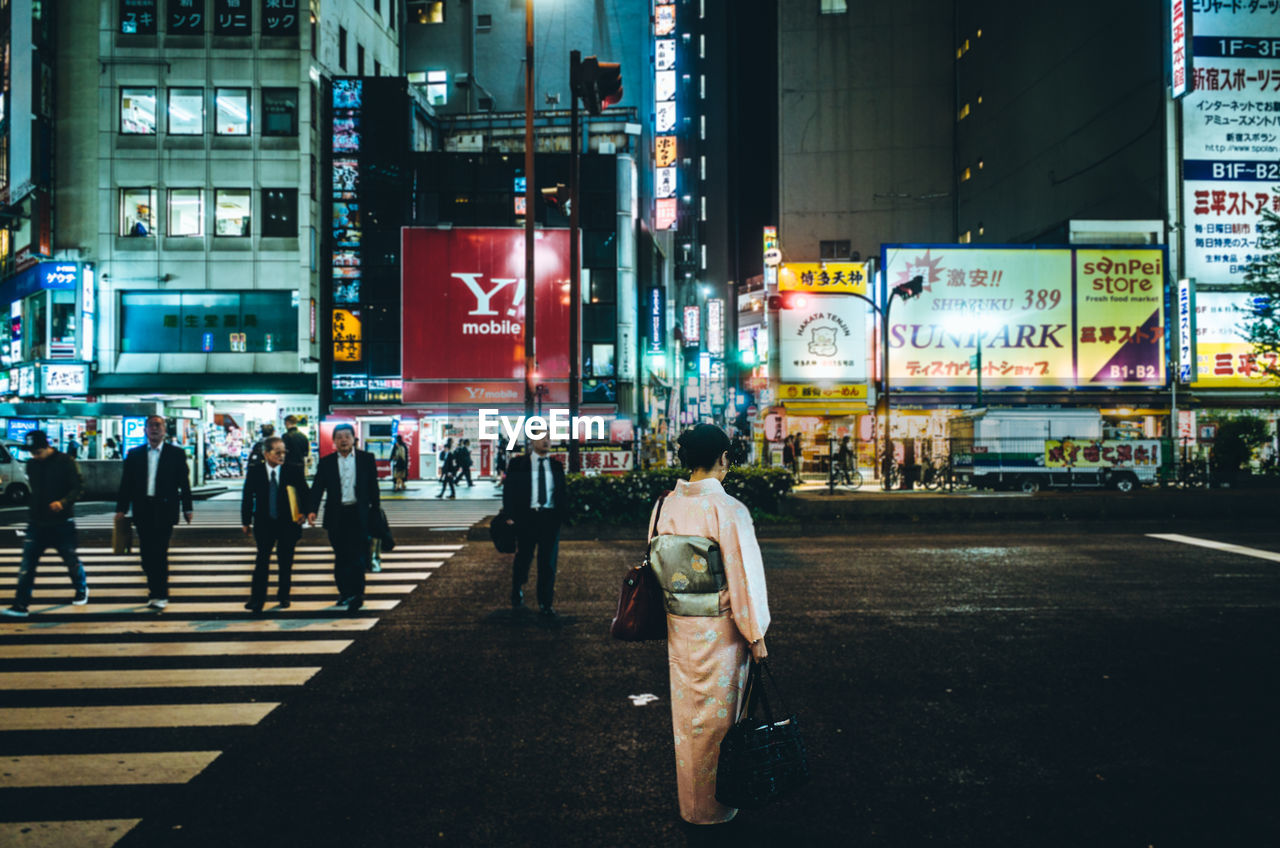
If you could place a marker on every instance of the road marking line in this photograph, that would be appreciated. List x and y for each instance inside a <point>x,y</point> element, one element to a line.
<point>51,595</point>
<point>46,651</point>
<point>234,567</point>
<point>137,715</point>
<point>163,626</point>
<point>186,607</point>
<point>247,559</point>
<point>137,579</point>
<point>184,549</point>
<point>13,681</point>
<point>1217,546</point>
<point>86,833</point>
<point>103,769</point>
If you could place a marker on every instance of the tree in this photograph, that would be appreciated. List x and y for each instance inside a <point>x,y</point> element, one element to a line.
<point>1262,279</point>
<point>1235,442</point>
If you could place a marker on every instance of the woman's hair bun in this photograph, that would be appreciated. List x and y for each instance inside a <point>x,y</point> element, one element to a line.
<point>701,446</point>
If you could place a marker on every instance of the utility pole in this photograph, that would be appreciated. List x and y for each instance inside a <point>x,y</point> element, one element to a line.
<point>530,351</point>
<point>575,263</point>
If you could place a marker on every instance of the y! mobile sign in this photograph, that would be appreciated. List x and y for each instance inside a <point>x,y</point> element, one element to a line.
<point>463,305</point>
<point>1050,317</point>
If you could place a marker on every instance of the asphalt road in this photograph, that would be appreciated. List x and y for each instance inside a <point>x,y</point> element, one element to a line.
<point>1048,685</point>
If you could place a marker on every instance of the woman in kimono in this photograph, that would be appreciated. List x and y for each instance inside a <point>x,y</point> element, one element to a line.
<point>708,653</point>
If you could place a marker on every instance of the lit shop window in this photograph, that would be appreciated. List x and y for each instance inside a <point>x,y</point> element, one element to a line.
<point>186,111</point>
<point>138,111</point>
<point>834,7</point>
<point>429,12</point>
<point>186,212</point>
<point>231,107</point>
<point>437,87</point>
<point>137,211</point>
<point>231,216</point>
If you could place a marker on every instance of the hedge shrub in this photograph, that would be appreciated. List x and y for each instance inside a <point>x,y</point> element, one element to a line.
<point>629,498</point>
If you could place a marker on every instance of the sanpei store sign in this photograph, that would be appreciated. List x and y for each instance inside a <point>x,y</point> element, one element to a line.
<point>1045,318</point>
<point>464,310</point>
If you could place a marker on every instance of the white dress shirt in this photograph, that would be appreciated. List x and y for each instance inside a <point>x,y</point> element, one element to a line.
<point>347,474</point>
<point>533,481</point>
<point>153,462</point>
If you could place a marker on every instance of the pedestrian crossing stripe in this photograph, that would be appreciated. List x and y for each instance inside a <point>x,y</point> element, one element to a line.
<point>56,568</point>
<point>96,593</point>
<point>257,647</point>
<point>104,769</point>
<point>252,549</point>
<point>154,678</point>
<point>244,578</point>
<point>199,607</point>
<point>134,716</point>
<point>83,833</point>
<point>159,626</point>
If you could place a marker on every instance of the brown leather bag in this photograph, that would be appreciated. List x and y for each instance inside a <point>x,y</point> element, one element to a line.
<point>640,616</point>
<point>121,535</point>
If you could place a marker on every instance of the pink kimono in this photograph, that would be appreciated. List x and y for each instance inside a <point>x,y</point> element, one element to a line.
<point>709,655</point>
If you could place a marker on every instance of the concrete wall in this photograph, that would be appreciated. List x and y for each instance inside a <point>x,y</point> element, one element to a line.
<point>865,125</point>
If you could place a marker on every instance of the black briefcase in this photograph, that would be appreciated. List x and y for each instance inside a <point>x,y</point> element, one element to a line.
<point>502,534</point>
<point>762,758</point>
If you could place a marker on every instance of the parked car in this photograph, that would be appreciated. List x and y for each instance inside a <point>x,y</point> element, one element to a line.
<point>13,472</point>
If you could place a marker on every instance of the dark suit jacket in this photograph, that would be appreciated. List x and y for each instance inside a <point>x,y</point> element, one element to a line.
<point>173,485</point>
<point>254,508</point>
<point>518,488</point>
<point>328,482</point>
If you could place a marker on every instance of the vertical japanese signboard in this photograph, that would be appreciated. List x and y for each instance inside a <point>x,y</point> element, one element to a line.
<point>715,327</point>
<point>1186,331</point>
<point>657,317</point>
<point>665,170</point>
<point>186,17</point>
<point>1230,136</point>
<point>232,17</point>
<point>1179,48</point>
<point>1053,317</point>
<point>346,258</point>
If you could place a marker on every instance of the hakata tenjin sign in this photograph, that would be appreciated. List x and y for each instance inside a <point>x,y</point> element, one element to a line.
<point>1044,317</point>
<point>824,277</point>
<point>463,317</point>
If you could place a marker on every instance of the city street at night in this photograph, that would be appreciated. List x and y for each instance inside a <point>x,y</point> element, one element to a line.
<point>1086,684</point>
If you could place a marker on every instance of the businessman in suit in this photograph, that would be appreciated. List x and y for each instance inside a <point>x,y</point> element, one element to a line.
<point>265,511</point>
<point>533,499</point>
<point>154,484</point>
<point>349,479</point>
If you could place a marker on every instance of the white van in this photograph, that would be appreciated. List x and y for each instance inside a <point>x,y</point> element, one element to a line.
<point>13,472</point>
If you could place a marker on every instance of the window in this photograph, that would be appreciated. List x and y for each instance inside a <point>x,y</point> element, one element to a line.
<point>186,111</point>
<point>601,363</point>
<point>186,212</point>
<point>138,111</point>
<point>426,11</point>
<point>484,22</point>
<point>391,17</point>
<point>137,211</point>
<point>342,47</point>
<point>208,322</point>
<point>485,104</point>
<point>437,87</point>
<point>377,6</point>
<point>834,7</point>
<point>377,68</point>
<point>838,249</point>
<point>280,213</point>
<point>279,111</point>
<point>359,60</point>
<point>231,106</point>
<point>231,215</point>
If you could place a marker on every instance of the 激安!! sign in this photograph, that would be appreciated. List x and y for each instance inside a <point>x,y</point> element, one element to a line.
<point>1051,317</point>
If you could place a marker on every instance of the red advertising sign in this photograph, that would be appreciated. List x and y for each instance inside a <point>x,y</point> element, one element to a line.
<point>463,318</point>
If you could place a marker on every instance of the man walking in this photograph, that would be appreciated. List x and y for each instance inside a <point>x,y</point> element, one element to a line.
<point>349,478</point>
<point>265,506</point>
<point>55,486</point>
<point>534,500</point>
<point>297,445</point>
<point>448,469</point>
<point>154,483</point>
<point>255,453</point>
<point>464,462</point>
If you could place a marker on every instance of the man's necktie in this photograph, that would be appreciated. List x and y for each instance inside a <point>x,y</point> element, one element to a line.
<point>273,495</point>
<point>542,482</point>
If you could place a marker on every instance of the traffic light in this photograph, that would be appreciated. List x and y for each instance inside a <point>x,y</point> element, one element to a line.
<point>788,300</point>
<point>911,288</point>
<point>599,84</point>
<point>557,198</point>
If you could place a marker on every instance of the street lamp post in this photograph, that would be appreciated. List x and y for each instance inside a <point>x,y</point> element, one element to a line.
<point>906,291</point>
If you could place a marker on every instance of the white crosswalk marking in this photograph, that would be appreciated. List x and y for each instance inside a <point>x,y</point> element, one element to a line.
<point>53,679</point>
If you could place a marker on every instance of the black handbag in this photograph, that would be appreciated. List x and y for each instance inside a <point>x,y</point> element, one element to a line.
<point>641,616</point>
<point>502,534</point>
<point>762,758</point>
<point>383,533</point>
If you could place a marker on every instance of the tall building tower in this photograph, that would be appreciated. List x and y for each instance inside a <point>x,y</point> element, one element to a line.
<point>187,165</point>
